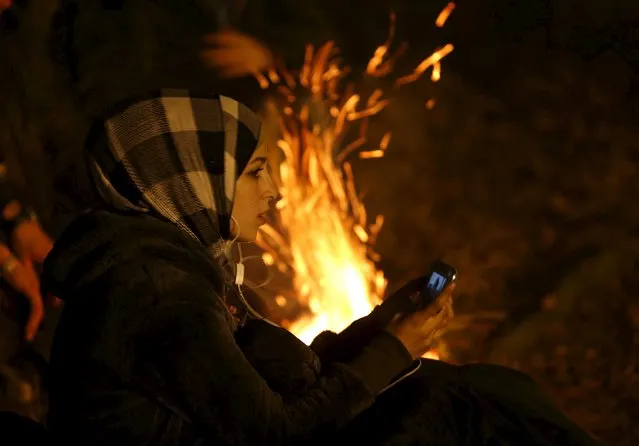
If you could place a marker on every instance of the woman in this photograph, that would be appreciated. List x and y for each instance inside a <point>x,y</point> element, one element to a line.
<point>156,346</point>
<point>145,351</point>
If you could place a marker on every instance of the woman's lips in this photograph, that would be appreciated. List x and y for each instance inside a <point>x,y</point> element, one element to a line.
<point>262,219</point>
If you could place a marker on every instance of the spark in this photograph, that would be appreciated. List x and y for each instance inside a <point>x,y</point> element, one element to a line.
<point>430,61</point>
<point>445,14</point>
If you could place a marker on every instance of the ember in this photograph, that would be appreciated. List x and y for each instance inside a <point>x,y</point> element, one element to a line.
<point>323,238</point>
<point>443,16</point>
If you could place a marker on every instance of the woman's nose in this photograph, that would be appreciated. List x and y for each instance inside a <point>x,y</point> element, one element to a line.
<point>273,199</point>
<point>270,190</point>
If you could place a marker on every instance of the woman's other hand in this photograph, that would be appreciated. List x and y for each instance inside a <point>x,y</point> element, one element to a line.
<point>235,54</point>
<point>418,331</point>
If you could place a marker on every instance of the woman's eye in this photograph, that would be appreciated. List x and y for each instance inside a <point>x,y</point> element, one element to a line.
<point>257,172</point>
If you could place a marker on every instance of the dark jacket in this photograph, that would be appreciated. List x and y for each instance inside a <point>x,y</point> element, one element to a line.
<point>146,351</point>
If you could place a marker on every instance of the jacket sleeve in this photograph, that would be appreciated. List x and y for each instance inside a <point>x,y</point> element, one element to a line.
<point>366,334</point>
<point>225,396</point>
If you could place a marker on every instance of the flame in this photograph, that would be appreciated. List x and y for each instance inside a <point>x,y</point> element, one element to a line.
<point>324,239</point>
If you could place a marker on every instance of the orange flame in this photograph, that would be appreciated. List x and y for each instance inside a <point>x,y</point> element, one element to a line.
<point>324,238</point>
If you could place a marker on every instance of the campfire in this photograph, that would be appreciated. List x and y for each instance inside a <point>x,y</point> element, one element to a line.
<point>323,237</point>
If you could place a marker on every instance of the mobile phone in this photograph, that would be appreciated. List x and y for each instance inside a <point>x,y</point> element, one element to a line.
<point>440,276</point>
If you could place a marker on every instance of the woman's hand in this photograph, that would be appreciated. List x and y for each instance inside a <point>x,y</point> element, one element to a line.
<point>418,330</point>
<point>236,54</point>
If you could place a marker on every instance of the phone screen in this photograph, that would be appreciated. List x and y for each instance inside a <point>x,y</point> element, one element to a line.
<point>440,277</point>
<point>436,283</point>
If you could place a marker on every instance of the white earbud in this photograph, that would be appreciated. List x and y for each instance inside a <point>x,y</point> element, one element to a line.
<point>239,274</point>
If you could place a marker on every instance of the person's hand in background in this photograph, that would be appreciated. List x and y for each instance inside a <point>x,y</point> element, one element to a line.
<point>235,54</point>
<point>32,245</point>
<point>29,246</point>
<point>26,237</point>
<point>30,242</point>
<point>23,278</point>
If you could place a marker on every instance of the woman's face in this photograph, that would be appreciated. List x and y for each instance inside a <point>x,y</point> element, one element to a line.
<point>254,193</point>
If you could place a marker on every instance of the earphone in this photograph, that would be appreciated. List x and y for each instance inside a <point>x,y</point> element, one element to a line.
<point>240,270</point>
<point>239,274</point>
<point>408,374</point>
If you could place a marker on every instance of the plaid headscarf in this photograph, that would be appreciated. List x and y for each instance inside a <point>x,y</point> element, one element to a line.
<point>178,154</point>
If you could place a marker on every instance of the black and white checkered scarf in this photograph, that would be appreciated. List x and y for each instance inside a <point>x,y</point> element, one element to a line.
<point>177,154</point>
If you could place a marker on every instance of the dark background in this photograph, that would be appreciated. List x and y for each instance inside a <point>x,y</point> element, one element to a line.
<point>523,176</point>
